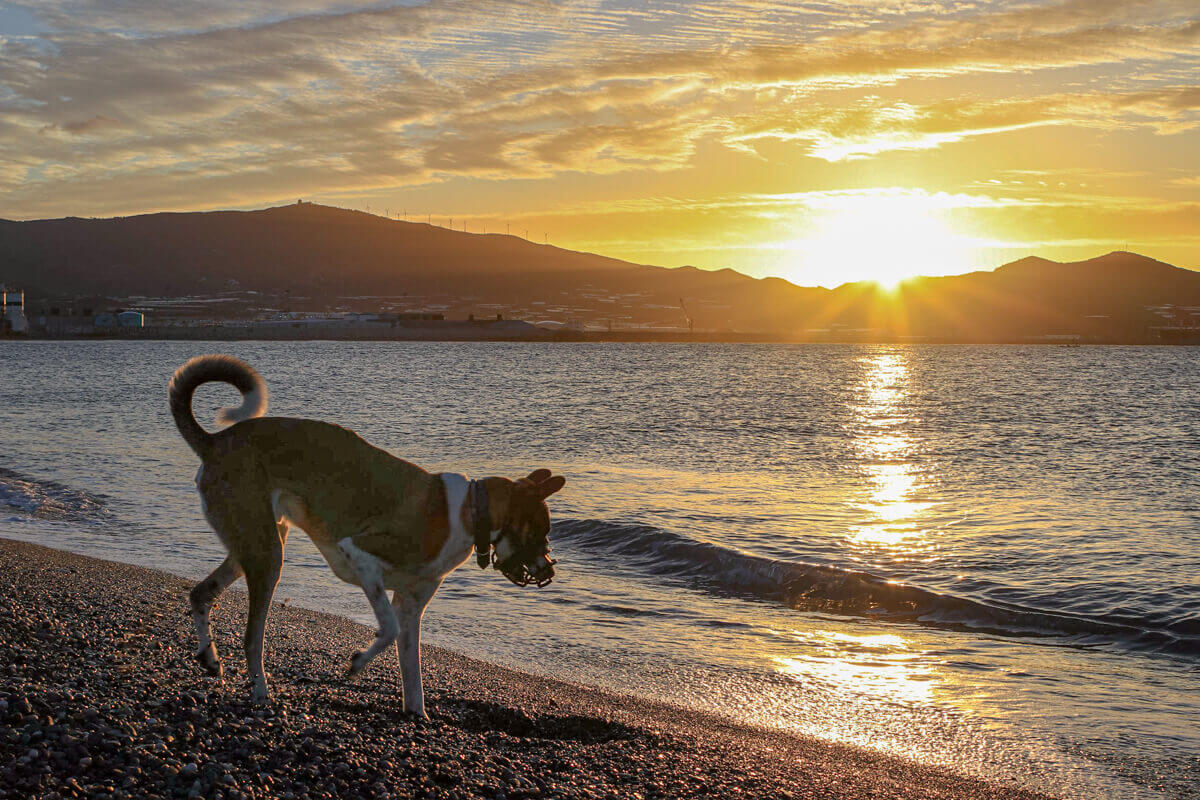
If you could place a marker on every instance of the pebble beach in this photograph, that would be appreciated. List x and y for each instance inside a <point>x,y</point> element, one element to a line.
<point>100,698</point>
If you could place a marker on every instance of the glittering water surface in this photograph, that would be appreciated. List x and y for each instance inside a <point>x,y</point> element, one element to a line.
<point>984,557</point>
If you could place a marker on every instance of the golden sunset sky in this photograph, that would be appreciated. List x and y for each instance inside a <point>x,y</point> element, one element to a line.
<point>818,141</point>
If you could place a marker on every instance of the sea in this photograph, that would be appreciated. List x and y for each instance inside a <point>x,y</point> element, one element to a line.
<point>981,557</point>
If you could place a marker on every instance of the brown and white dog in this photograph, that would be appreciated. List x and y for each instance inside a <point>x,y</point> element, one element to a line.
<point>380,522</point>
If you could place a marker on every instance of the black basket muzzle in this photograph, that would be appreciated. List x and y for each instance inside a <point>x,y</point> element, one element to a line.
<point>525,567</point>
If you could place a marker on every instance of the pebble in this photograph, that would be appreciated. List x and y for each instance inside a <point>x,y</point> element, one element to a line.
<point>102,708</point>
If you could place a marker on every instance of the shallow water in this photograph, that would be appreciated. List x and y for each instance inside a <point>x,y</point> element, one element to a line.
<point>984,557</point>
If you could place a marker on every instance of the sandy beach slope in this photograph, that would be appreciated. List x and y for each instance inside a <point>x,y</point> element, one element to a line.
<point>99,697</point>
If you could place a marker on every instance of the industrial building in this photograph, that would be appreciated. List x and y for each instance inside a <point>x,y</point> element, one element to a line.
<point>12,311</point>
<point>119,319</point>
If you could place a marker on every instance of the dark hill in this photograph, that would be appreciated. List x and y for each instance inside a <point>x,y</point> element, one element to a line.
<point>322,253</point>
<point>313,250</point>
<point>306,246</point>
<point>1110,297</point>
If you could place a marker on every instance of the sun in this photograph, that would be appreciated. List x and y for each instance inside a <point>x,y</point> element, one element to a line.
<point>885,238</point>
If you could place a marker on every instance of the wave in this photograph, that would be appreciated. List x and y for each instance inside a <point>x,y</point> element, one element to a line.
<point>49,500</point>
<point>702,566</point>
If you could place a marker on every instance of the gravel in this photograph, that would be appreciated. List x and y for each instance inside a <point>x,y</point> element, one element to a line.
<point>100,698</point>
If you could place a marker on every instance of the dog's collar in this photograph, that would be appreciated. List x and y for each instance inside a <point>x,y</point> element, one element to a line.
<point>481,522</point>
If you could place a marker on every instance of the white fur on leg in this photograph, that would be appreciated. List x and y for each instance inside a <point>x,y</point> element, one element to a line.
<point>410,607</point>
<point>369,570</point>
<point>202,598</point>
<point>206,653</point>
<point>203,629</point>
<point>254,657</point>
<point>408,650</point>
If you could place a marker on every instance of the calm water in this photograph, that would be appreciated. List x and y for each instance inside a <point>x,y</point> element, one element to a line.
<point>985,557</point>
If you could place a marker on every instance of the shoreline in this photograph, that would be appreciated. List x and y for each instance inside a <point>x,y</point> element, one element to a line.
<point>98,691</point>
<point>628,337</point>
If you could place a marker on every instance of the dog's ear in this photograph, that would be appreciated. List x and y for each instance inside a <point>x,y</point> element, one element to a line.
<point>529,482</point>
<point>550,486</point>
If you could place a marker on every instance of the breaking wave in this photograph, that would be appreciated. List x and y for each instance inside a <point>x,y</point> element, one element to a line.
<point>49,500</point>
<point>653,552</point>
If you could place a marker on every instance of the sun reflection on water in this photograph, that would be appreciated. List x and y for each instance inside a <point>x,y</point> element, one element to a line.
<point>891,512</point>
<point>878,665</point>
<point>876,689</point>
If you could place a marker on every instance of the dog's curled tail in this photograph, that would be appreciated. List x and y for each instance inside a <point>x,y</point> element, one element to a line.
<point>207,369</point>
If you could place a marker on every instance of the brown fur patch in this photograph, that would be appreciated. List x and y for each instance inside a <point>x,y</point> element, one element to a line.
<point>438,513</point>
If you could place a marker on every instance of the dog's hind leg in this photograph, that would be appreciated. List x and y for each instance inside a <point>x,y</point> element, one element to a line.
<point>369,571</point>
<point>409,605</point>
<point>202,598</point>
<point>261,577</point>
<point>237,503</point>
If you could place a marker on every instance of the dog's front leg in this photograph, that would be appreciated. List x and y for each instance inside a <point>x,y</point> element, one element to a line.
<point>202,598</point>
<point>409,605</point>
<point>369,571</point>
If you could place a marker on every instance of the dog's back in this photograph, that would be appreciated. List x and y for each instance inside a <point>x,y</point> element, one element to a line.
<point>340,477</point>
<point>336,484</point>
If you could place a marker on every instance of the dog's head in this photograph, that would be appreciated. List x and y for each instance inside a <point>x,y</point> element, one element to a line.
<point>522,548</point>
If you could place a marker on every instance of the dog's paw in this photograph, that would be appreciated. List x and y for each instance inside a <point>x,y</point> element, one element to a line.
<point>258,693</point>
<point>357,662</point>
<point>209,661</point>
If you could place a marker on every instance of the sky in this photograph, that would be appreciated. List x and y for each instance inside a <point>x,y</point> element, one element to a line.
<point>821,142</point>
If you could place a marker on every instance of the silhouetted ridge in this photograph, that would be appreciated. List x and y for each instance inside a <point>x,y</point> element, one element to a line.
<point>314,251</point>
<point>1029,264</point>
<point>1116,263</point>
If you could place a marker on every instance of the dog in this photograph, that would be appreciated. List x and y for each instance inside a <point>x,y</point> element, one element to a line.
<point>380,522</point>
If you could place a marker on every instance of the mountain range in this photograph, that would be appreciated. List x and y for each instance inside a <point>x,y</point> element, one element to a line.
<point>322,256</point>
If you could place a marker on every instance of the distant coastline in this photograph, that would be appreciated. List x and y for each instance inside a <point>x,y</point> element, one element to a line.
<point>459,334</point>
<point>313,267</point>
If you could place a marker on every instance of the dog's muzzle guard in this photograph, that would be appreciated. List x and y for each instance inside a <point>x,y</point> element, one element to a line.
<point>525,565</point>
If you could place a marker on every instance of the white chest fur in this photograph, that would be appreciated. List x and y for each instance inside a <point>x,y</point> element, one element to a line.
<point>459,542</point>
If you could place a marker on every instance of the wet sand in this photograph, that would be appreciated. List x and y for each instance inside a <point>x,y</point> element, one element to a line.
<point>100,697</point>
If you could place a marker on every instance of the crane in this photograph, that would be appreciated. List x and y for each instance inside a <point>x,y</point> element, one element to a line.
<point>691,323</point>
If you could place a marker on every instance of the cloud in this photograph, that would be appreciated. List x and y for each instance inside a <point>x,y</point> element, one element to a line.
<point>90,125</point>
<point>873,126</point>
<point>218,102</point>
